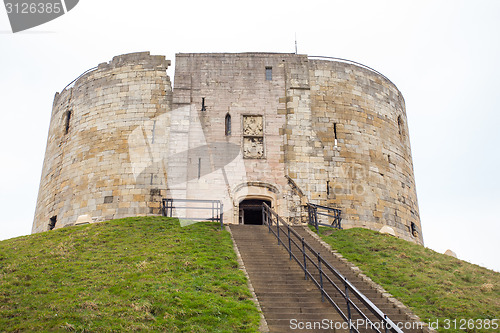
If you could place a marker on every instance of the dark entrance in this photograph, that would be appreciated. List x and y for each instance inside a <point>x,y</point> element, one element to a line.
<point>251,211</point>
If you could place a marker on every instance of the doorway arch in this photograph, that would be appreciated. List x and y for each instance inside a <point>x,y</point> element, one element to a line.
<point>249,196</point>
<point>250,211</point>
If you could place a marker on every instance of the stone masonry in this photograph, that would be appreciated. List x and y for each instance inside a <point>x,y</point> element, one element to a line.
<point>284,128</point>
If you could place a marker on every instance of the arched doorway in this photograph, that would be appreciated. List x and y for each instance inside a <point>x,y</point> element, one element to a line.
<point>251,211</point>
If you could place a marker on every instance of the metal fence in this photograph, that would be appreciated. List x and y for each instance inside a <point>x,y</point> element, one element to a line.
<point>347,300</point>
<point>184,208</point>
<point>324,216</point>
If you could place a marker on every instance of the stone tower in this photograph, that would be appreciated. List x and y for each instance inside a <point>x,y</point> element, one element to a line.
<point>242,128</point>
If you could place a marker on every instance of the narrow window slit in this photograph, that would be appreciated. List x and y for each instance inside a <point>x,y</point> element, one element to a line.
<point>414,230</point>
<point>401,126</point>
<point>199,167</point>
<point>203,107</point>
<point>227,125</point>
<point>335,133</point>
<point>68,119</point>
<point>52,222</point>
<point>153,134</point>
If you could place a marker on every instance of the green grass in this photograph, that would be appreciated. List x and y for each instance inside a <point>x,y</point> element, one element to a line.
<point>134,274</point>
<point>433,285</point>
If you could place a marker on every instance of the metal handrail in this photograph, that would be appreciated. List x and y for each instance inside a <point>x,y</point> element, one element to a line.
<point>292,241</point>
<point>333,213</point>
<point>79,77</point>
<point>215,206</point>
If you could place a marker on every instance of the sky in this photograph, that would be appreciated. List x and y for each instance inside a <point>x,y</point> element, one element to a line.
<point>442,55</point>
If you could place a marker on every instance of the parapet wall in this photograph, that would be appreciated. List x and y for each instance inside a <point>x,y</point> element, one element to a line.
<point>87,167</point>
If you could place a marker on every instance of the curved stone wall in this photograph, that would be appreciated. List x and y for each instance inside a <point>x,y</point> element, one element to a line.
<point>359,117</point>
<point>87,167</point>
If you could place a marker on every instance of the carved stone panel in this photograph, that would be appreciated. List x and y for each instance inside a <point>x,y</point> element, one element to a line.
<point>253,147</point>
<point>253,126</point>
<point>253,137</point>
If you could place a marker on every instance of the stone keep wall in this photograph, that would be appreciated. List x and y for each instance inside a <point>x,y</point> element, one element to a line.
<point>360,122</point>
<point>88,167</point>
<point>248,161</point>
<point>301,130</point>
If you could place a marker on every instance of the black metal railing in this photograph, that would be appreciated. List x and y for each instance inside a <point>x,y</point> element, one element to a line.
<point>347,300</point>
<point>214,208</point>
<point>318,215</point>
<point>80,76</point>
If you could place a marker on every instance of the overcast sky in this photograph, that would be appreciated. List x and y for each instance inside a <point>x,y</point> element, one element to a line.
<point>442,55</point>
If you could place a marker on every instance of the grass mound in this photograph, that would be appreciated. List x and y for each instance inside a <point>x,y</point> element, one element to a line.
<point>134,274</point>
<point>433,285</point>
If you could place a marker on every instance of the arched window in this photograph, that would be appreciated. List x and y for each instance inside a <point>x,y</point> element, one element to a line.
<point>228,125</point>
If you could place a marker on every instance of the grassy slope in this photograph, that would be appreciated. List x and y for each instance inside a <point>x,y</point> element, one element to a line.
<point>133,274</point>
<point>434,285</point>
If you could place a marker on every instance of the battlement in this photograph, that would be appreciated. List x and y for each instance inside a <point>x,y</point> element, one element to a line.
<point>140,58</point>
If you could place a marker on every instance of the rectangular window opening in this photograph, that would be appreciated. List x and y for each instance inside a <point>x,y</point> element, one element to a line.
<point>269,73</point>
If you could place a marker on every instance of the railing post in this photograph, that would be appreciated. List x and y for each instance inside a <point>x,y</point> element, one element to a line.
<point>268,220</point>
<point>289,243</point>
<point>221,215</point>
<point>278,228</point>
<point>309,214</point>
<point>264,220</point>
<point>213,211</point>
<point>339,214</point>
<point>321,278</point>
<point>304,255</point>
<point>348,304</point>
<point>316,219</point>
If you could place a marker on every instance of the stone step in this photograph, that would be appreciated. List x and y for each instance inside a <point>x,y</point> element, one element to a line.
<point>376,297</point>
<point>282,291</point>
<point>284,287</point>
<point>305,308</point>
<point>303,316</point>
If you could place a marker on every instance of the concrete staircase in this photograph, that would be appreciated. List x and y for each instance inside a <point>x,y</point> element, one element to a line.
<point>283,293</point>
<point>382,302</point>
<point>286,298</point>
